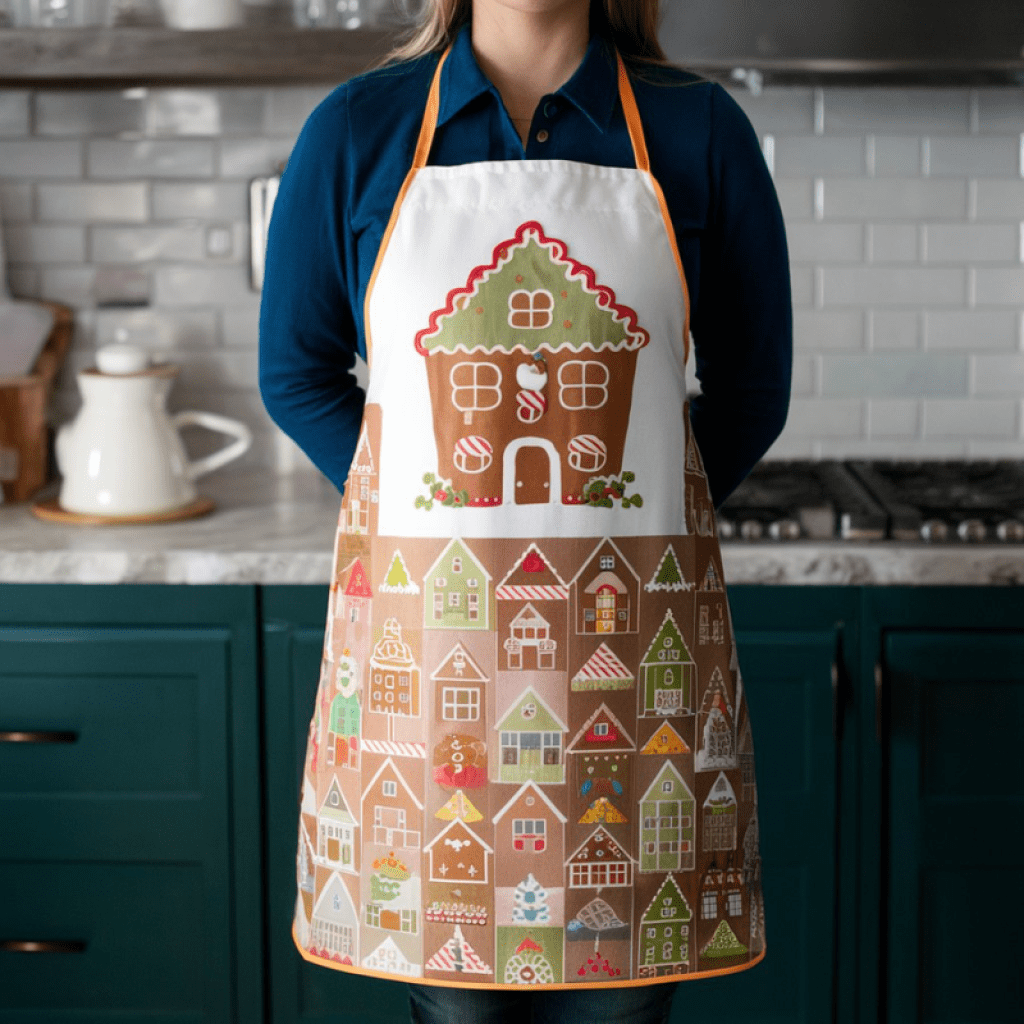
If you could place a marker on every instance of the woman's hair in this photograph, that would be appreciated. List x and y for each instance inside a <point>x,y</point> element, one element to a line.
<point>631,24</point>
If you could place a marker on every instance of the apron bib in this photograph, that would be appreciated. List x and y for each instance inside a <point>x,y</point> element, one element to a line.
<point>530,760</point>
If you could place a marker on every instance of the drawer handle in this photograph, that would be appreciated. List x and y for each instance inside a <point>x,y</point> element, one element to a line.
<point>52,736</point>
<point>42,945</point>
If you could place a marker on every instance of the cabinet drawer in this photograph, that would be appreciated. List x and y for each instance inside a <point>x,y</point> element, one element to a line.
<point>141,939</point>
<point>111,740</point>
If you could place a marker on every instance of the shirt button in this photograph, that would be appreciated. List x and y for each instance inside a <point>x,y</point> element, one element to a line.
<point>542,135</point>
<point>549,109</point>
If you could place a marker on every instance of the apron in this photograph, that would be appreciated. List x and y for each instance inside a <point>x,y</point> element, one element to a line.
<point>530,760</point>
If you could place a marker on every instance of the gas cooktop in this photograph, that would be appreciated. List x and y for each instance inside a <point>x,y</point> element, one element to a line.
<point>949,501</point>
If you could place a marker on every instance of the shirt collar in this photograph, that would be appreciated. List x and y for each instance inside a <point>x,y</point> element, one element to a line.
<point>593,88</point>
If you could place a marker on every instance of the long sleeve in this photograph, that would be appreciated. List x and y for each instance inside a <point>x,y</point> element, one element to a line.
<point>308,336</point>
<point>743,322</point>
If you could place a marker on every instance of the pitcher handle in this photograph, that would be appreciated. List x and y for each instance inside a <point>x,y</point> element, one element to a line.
<point>222,425</point>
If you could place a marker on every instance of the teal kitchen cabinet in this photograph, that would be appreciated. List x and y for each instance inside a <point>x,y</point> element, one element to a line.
<point>293,636</point>
<point>129,805</point>
<point>950,767</point>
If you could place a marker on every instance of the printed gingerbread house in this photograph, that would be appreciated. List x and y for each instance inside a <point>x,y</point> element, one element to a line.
<point>530,366</point>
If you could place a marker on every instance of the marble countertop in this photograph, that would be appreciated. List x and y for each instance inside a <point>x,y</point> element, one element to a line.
<point>280,529</point>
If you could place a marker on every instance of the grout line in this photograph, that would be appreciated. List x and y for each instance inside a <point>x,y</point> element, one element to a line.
<point>870,156</point>
<point>922,243</point>
<point>1020,232</point>
<point>819,111</point>
<point>926,157</point>
<point>972,200</point>
<point>972,287</point>
<point>975,112</point>
<point>819,199</point>
<point>1021,160</point>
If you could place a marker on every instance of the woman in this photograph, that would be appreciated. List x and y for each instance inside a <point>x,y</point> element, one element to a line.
<point>530,761</point>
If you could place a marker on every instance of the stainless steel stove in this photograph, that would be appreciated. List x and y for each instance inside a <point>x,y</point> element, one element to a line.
<point>930,502</point>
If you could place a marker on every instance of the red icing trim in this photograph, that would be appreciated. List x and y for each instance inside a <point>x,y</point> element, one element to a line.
<point>605,296</point>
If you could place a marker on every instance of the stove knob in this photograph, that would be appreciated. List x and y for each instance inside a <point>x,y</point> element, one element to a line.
<point>727,529</point>
<point>973,530</point>
<point>934,530</point>
<point>784,529</point>
<point>1011,530</point>
<point>751,529</point>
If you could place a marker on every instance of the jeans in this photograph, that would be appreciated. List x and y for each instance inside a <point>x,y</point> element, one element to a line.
<point>643,1004</point>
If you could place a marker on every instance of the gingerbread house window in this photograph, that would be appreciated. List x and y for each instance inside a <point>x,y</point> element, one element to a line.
<point>460,703</point>
<point>710,900</point>
<point>474,606</point>
<point>734,903</point>
<point>530,310</point>
<point>473,454</point>
<point>390,788</point>
<point>529,834</point>
<point>476,387</point>
<point>587,453</point>
<point>583,384</point>
<point>456,564</point>
<point>438,605</point>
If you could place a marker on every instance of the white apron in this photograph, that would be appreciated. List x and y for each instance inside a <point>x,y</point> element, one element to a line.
<point>530,761</point>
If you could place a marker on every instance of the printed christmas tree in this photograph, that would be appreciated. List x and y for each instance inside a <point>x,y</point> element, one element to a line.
<point>724,943</point>
<point>668,576</point>
<point>532,283</point>
<point>530,902</point>
<point>397,580</point>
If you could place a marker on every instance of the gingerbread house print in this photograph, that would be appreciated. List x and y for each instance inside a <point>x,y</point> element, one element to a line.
<point>458,854</point>
<point>599,862</point>
<point>601,757</point>
<point>721,894</point>
<point>666,823</point>
<point>456,591</point>
<point>394,675</point>
<point>711,607</point>
<point>458,806</point>
<point>719,825</point>
<point>530,367</point>
<point>529,834</point>
<point>344,715</point>
<point>664,946</point>
<point>396,579</point>
<point>669,673</point>
<point>333,931</point>
<point>457,956</point>
<point>361,495</point>
<point>389,959</point>
<point>668,577</point>
<point>530,955</point>
<point>305,866</point>
<point>665,740</point>
<point>597,921</point>
<point>715,727</point>
<point>606,592</point>
<point>603,670</point>
<point>336,831</point>
<point>393,902</point>
<point>391,811</point>
<point>531,737</point>
<point>460,686</point>
<point>745,745</point>
<point>532,613</point>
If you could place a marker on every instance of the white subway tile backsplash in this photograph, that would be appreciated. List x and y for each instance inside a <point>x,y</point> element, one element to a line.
<point>112,158</point>
<point>894,199</point>
<point>15,201</point>
<point>974,157</point>
<point>161,329</point>
<point>40,158</point>
<point>972,243</point>
<point>805,374</point>
<point>187,112</point>
<point>896,156</point>
<point>1000,110</point>
<point>894,286</point>
<point>802,285</point>
<point>824,417</point>
<point>894,375</point>
<point>778,110</point>
<point>880,111</point>
<point>201,200</point>
<point>144,244</point>
<point>44,243</point>
<point>891,418</point>
<point>890,329</point>
<point>999,375</point>
<point>826,243</point>
<point>89,113</point>
<point>14,113</point>
<point>24,280</point>
<point>796,198</point>
<point>204,286</point>
<point>240,327</point>
<point>893,243</point>
<point>961,417</point>
<point>1000,200</point>
<point>223,368</point>
<point>73,286</point>
<point>800,155</point>
<point>288,109</point>
<point>835,329</point>
<point>1000,287</point>
<point>91,202</point>
<point>970,330</point>
<point>245,158</point>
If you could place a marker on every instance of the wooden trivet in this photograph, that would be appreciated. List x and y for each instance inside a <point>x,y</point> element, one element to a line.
<point>52,512</point>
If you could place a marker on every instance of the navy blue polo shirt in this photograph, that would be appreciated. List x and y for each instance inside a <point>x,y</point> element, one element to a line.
<point>348,165</point>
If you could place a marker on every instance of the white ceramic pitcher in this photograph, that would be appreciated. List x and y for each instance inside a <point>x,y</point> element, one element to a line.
<point>122,455</point>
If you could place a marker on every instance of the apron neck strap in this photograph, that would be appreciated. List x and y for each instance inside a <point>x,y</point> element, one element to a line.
<point>429,124</point>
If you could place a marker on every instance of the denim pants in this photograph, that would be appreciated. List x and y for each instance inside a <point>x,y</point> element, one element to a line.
<point>642,1004</point>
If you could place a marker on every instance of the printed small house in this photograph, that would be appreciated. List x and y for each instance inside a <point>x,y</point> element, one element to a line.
<point>387,958</point>
<point>665,740</point>
<point>457,956</point>
<point>333,930</point>
<point>599,862</point>
<point>458,854</point>
<point>715,727</point>
<point>391,812</point>
<point>669,673</point>
<point>394,675</point>
<point>532,613</point>
<point>664,946</point>
<point>711,607</point>
<point>530,367</point>
<point>602,754</point>
<point>529,835</point>
<point>393,899</point>
<point>460,688</point>
<point>606,592</point>
<point>722,892</point>
<point>456,591</point>
<point>361,495</point>
<point>719,825</point>
<point>666,823</point>
<point>531,737</point>
<point>603,670</point>
<point>746,751</point>
<point>336,831</point>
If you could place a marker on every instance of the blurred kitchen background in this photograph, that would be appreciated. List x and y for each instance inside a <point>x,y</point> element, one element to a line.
<point>903,197</point>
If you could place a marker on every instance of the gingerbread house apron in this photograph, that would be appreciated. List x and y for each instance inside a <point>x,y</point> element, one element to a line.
<point>530,759</point>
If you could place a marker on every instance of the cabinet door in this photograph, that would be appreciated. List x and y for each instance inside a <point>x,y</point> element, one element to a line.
<point>955,704</point>
<point>293,637</point>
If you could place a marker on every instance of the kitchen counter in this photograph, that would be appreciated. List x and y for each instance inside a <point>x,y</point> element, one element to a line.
<point>279,530</point>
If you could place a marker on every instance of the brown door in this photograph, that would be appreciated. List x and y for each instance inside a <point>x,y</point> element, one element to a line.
<point>533,484</point>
